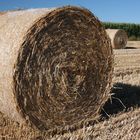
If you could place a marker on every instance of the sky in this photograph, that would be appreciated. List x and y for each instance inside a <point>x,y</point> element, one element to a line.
<point>123,11</point>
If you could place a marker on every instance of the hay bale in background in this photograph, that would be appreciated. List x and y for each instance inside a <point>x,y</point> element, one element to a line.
<point>56,66</point>
<point>118,38</point>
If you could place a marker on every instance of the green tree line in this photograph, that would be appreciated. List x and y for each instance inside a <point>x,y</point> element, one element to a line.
<point>133,30</point>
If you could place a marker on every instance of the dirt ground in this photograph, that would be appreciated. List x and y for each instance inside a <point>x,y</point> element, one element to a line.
<point>120,117</point>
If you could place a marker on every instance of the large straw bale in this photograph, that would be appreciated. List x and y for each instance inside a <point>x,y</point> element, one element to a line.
<point>56,66</point>
<point>118,38</point>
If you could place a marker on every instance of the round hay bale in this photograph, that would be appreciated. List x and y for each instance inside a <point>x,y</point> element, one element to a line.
<point>118,38</point>
<point>56,66</point>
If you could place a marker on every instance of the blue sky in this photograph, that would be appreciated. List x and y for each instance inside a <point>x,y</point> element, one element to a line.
<point>106,10</point>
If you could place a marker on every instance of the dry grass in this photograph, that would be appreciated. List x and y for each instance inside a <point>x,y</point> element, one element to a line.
<point>123,126</point>
<point>127,66</point>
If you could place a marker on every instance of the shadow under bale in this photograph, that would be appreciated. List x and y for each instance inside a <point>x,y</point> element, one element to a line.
<point>124,97</point>
<point>130,48</point>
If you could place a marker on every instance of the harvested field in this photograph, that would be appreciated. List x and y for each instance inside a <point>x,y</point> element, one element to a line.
<point>124,126</point>
<point>127,66</point>
<point>120,117</point>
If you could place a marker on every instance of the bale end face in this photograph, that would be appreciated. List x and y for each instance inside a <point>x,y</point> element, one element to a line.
<point>64,69</point>
<point>118,38</point>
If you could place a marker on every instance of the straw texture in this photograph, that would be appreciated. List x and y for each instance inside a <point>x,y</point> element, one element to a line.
<point>56,66</point>
<point>118,38</point>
